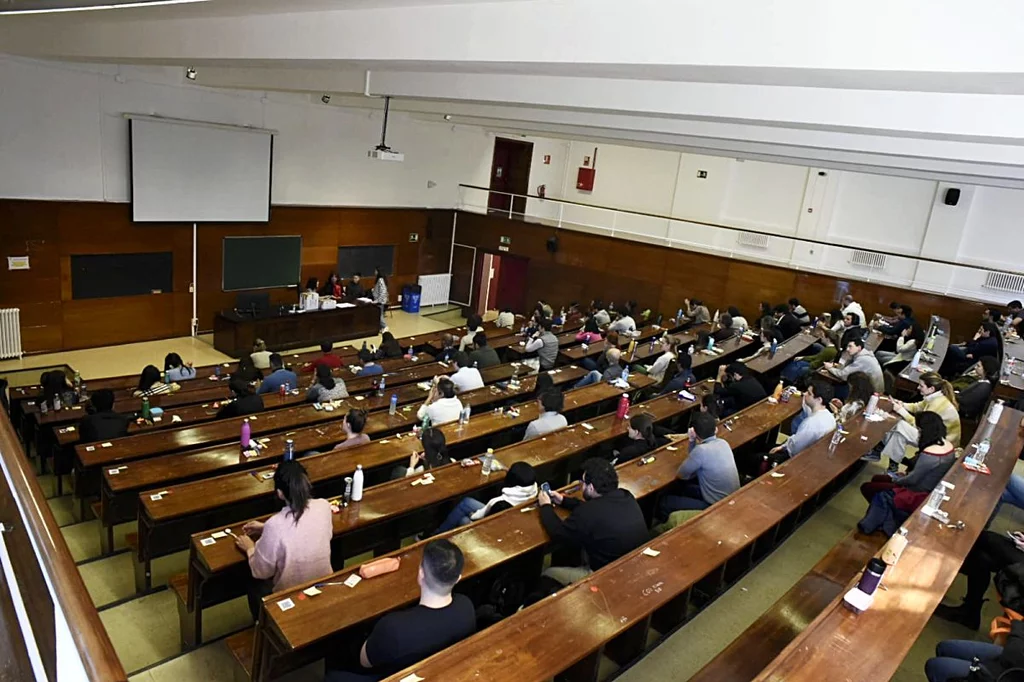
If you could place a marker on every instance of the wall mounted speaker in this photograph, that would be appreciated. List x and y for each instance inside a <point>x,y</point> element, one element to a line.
<point>952,196</point>
<point>553,244</point>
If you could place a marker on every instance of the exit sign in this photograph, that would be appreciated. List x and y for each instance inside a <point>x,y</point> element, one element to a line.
<point>505,240</point>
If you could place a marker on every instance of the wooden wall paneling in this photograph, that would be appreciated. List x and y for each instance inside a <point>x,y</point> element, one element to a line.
<point>29,228</point>
<point>436,243</point>
<point>748,284</point>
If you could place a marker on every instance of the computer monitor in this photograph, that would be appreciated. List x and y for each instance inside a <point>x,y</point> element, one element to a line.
<point>252,303</point>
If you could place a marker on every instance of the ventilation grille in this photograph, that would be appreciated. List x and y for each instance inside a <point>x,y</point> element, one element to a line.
<point>752,240</point>
<point>867,259</point>
<point>1000,281</point>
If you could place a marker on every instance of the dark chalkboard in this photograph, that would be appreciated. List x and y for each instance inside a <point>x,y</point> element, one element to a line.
<point>107,275</point>
<point>363,259</point>
<point>261,262</point>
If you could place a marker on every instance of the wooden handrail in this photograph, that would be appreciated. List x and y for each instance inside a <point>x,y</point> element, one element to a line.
<point>97,653</point>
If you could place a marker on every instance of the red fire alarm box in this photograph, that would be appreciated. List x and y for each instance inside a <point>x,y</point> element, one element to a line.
<point>585,180</point>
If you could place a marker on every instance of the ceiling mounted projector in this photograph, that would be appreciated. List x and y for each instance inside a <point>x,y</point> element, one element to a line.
<point>383,152</point>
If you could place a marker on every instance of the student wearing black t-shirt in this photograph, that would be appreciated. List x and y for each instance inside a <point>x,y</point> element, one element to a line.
<point>737,387</point>
<point>403,638</point>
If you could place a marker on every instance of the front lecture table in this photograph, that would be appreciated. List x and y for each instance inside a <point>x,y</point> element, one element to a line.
<point>871,645</point>
<point>234,334</point>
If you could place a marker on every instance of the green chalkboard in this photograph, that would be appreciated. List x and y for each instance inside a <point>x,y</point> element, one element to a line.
<point>261,262</point>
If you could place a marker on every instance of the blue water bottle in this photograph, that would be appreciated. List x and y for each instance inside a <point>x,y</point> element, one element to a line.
<point>394,404</point>
<point>625,374</point>
<point>289,450</point>
<point>775,347</point>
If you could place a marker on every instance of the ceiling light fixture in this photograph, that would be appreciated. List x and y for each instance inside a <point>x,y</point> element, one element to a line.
<point>93,8</point>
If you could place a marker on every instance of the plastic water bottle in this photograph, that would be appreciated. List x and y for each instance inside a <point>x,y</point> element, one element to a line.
<point>216,371</point>
<point>625,374</point>
<point>1007,366</point>
<point>995,412</point>
<point>916,361</point>
<point>935,498</point>
<point>411,353</point>
<point>357,484</point>
<point>464,415</point>
<point>380,388</point>
<point>486,462</point>
<point>145,408</point>
<point>289,450</point>
<point>679,315</point>
<point>872,405</point>
<point>711,343</point>
<point>982,451</point>
<point>56,403</point>
<point>393,407</point>
<point>623,408</point>
<point>246,434</point>
<point>651,349</point>
<point>78,379</point>
<point>774,347</point>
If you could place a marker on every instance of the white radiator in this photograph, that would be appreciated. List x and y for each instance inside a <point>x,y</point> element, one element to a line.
<point>10,333</point>
<point>435,289</point>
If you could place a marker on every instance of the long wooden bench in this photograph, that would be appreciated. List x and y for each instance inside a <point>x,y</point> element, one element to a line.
<point>635,602</point>
<point>766,637</point>
<point>166,520</point>
<point>784,352</point>
<point>216,570</point>
<point>514,537</point>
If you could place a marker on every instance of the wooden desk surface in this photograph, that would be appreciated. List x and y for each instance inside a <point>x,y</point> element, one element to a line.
<point>593,611</point>
<point>930,362</point>
<point>1012,388</point>
<point>394,498</point>
<point>837,640</point>
<point>487,543</point>
<point>784,352</point>
<point>577,353</point>
<point>730,346</point>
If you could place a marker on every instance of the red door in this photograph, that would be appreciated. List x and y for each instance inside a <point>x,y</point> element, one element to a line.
<point>511,283</point>
<point>510,174</point>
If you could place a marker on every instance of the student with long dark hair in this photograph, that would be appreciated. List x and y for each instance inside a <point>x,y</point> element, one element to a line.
<point>520,485</point>
<point>292,546</point>
<point>389,348</point>
<point>642,438</point>
<point>935,455</point>
<point>245,402</point>
<point>56,387</point>
<point>247,370</point>
<point>590,333</point>
<point>434,454</point>
<point>326,387</point>
<point>150,383</point>
<point>380,295</point>
<point>177,369</point>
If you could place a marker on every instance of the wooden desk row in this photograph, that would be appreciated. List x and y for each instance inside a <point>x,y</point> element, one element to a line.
<point>614,611</point>
<point>837,640</point>
<point>284,640</point>
<point>931,360</point>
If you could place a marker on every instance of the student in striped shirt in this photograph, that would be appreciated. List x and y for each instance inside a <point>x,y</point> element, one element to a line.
<point>150,383</point>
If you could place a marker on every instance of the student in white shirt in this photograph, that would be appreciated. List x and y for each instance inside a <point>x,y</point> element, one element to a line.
<point>551,419</point>
<point>849,306</point>
<point>738,321</point>
<point>670,350</point>
<point>467,378</point>
<point>474,325</point>
<point>260,355</point>
<point>625,323</point>
<point>506,319</point>
<point>818,420</point>
<point>441,406</point>
<point>601,315</point>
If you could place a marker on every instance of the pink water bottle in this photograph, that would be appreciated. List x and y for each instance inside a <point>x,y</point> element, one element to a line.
<point>623,409</point>
<point>246,434</point>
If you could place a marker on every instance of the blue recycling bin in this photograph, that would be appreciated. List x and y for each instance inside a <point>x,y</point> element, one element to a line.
<point>411,298</point>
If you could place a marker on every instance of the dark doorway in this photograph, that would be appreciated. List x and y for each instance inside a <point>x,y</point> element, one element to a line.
<point>463,267</point>
<point>510,174</point>
<point>511,284</point>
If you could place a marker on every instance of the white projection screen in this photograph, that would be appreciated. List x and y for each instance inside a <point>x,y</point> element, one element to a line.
<point>194,172</point>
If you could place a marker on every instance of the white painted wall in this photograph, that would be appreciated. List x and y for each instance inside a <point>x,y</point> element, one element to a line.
<point>63,136</point>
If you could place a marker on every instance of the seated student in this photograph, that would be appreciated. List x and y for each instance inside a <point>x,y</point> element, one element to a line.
<point>799,312</point>
<point>991,553</point>
<point>354,289</point>
<point>624,323</point>
<point>482,355</point>
<point>150,384</point>
<point>611,359</point>
<point>519,486</point>
<point>467,377</point>
<point>984,343</point>
<point>246,370</point>
<point>711,462</point>
<point>860,394</point>
<point>544,309</point>
<point>973,397</point>
<point>433,455</point>
<point>389,348</point>
<point>260,355</point>
<point>767,333</point>
<point>332,288</point>
<point>935,455</point>
<point>177,369</point>
<point>293,545</point>
<point>605,524</point>
<point>641,437</point>
<point>737,387</point>
<point>370,367</point>
<point>957,660</point>
<point>802,367</point>
<point>543,382</point>
<point>937,396</point>
<point>328,359</point>
<point>695,311</point>
<point>326,387</point>
<point>903,317</point>
<point>441,405</point>
<point>506,319</point>
<point>908,342</point>
<point>1014,315</point>
<point>278,377</point>
<point>669,351</point>
<point>57,389</point>
<point>817,421</point>
<point>474,325</point>
<point>599,313</point>
<point>353,425</point>
<point>679,374</point>
<point>590,333</point>
<point>551,418</point>
<point>859,359</point>
<point>545,344</point>
<point>739,323</point>
<point>102,423</point>
<point>403,638</point>
<point>245,401</point>
<point>786,321</point>
<point>725,329</point>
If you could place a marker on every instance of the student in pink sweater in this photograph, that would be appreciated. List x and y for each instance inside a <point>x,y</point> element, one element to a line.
<point>293,545</point>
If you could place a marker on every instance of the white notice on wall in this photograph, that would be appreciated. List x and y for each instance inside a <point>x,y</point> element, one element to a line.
<point>17,263</point>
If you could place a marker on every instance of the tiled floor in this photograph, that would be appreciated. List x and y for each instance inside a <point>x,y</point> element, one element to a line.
<point>144,630</point>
